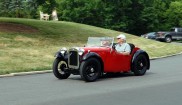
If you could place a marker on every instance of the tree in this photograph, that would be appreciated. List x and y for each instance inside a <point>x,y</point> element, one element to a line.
<point>31,8</point>
<point>5,7</point>
<point>135,25</point>
<point>81,11</point>
<point>40,2</point>
<point>152,15</point>
<point>47,5</point>
<point>115,14</point>
<point>132,16</point>
<point>17,7</point>
<point>174,14</point>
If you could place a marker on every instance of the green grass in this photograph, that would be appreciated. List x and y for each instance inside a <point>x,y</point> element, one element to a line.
<point>32,51</point>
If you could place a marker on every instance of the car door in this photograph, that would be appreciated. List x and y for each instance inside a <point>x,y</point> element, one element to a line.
<point>117,62</point>
<point>179,33</point>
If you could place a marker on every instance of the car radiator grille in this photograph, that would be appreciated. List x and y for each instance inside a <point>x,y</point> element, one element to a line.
<point>73,60</point>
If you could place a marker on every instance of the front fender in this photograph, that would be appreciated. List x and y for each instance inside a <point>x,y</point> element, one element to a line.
<point>138,52</point>
<point>95,55</point>
<point>61,56</point>
<point>89,55</point>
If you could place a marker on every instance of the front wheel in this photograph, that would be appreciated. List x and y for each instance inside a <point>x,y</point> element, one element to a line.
<point>59,69</point>
<point>90,70</point>
<point>140,65</point>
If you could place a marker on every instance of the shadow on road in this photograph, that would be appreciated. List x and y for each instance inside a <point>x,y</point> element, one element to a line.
<point>109,76</point>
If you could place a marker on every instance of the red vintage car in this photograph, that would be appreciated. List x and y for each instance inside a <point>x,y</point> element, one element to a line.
<point>99,57</point>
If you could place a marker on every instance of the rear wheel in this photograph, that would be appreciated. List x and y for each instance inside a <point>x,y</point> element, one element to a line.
<point>168,39</point>
<point>140,65</point>
<point>90,70</point>
<point>59,69</point>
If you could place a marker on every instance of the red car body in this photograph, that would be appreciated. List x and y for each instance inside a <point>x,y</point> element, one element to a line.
<point>112,60</point>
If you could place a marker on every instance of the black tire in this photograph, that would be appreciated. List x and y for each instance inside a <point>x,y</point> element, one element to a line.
<point>90,70</point>
<point>168,39</point>
<point>59,69</point>
<point>140,65</point>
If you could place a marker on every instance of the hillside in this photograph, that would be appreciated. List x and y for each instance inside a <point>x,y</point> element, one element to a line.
<point>28,44</point>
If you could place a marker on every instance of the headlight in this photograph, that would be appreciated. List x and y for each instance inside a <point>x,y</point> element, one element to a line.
<point>81,52</point>
<point>63,50</point>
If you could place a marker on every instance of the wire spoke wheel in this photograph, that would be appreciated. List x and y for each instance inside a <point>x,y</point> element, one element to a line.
<point>90,70</point>
<point>140,65</point>
<point>59,69</point>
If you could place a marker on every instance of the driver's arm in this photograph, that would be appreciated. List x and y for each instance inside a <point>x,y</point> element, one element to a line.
<point>126,51</point>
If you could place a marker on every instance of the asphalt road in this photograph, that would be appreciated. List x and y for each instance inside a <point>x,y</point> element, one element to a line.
<point>161,85</point>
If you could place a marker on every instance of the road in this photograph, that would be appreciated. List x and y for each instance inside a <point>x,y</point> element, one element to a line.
<point>161,85</point>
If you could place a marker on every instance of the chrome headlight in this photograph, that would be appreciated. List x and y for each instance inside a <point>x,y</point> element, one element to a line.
<point>81,52</point>
<point>63,50</point>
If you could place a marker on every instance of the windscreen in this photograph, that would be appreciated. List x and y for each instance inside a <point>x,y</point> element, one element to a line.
<point>100,41</point>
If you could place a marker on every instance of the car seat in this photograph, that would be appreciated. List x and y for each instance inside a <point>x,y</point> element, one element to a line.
<point>132,46</point>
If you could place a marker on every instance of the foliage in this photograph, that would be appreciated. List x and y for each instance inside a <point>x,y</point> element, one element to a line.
<point>5,7</point>
<point>48,5</point>
<point>174,14</point>
<point>31,8</point>
<point>25,8</point>
<point>132,16</point>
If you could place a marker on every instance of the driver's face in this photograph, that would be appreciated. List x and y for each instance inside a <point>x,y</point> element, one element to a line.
<point>120,40</point>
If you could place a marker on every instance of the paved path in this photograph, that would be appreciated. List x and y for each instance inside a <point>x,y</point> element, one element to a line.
<point>161,85</point>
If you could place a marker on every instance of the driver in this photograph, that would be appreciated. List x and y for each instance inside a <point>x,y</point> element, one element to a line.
<point>122,47</point>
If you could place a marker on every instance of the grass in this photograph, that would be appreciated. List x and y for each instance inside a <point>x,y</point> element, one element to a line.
<point>34,50</point>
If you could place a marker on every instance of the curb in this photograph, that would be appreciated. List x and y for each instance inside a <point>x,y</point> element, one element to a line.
<point>25,73</point>
<point>165,56</point>
<point>50,71</point>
